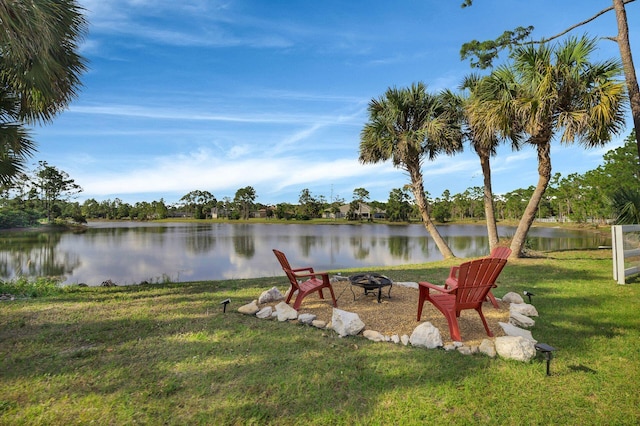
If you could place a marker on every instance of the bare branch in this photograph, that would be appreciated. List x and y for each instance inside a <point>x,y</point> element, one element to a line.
<point>586,21</point>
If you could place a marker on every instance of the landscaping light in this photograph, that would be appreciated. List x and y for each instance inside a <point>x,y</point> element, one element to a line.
<point>547,351</point>
<point>224,304</point>
<point>528,294</point>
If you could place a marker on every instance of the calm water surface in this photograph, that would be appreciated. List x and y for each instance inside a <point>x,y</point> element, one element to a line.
<point>128,253</point>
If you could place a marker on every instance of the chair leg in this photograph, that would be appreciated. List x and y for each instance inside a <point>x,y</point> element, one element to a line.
<point>493,300</point>
<point>333,297</point>
<point>484,321</point>
<point>421,298</point>
<point>320,295</point>
<point>454,329</point>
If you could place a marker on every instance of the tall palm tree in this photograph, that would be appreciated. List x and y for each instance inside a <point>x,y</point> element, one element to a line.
<point>484,141</point>
<point>552,92</point>
<point>39,71</point>
<point>407,125</point>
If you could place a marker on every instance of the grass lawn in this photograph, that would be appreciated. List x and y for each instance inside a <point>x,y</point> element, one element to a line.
<point>167,354</point>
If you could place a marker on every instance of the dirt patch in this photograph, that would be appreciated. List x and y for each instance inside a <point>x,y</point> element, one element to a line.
<point>397,314</point>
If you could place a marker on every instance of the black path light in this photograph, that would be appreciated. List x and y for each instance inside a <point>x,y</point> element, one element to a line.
<point>528,294</point>
<point>224,304</point>
<point>547,351</point>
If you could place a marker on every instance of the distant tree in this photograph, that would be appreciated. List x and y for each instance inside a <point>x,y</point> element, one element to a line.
<point>199,203</point>
<point>245,197</point>
<point>398,206</point>
<point>406,126</point>
<point>442,207</point>
<point>310,206</point>
<point>360,195</point>
<point>53,185</point>
<point>39,71</point>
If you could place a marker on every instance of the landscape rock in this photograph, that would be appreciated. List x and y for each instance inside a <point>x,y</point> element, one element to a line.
<point>249,308</point>
<point>270,296</point>
<point>265,313</point>
<point>306,318</point>
<point>426,335</point>
<point>346,323</point>
<point>512,297</point>
<point>523,309</point>
<point>374,335</point>
<point>465,350</point>
<point>515,347</point>
<point>404,339</point>
<point>319,324</point>
<point>395,338</point>
<point>513,331</point>
<point>488,348</point>
<point>520,320</point>
<point>285,312</point>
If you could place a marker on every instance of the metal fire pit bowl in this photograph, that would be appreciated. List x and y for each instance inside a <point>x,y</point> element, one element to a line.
<point>370,282</point>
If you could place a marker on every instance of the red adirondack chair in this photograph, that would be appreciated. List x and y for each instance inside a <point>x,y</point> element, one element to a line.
<point>316,281</point>
<point>498,253</point>
<point>475,279</point>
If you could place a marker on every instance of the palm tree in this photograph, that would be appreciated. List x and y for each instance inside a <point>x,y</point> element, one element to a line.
<point>484,141</point>
<point>407,125</point>
<point>549,92</point>
<point>39,71</point>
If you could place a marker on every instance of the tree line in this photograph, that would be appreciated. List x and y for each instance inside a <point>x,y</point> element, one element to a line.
<point>47,193</point>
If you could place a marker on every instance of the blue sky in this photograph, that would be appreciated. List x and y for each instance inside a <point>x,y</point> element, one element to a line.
<point>219,95</point>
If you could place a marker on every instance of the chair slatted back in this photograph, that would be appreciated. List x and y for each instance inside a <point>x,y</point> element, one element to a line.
<point>500,252</point>
<point>475,280</point>
<point>286,267</point>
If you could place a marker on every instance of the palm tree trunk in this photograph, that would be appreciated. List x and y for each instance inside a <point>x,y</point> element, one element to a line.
<point>418,192</point>
<point>629,68</point>
<point>489,213</point>
<point>529,215</point>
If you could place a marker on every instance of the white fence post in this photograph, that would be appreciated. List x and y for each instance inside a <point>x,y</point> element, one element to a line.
<point>620,254</point>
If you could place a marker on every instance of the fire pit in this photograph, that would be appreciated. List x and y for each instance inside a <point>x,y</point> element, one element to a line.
<point>370,282</point>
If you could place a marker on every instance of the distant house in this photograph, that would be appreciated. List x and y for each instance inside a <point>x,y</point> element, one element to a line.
<point>365,211</point>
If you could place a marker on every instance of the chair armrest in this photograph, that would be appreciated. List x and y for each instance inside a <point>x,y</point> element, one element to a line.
<point>312,274</point>
<point>310,270</point>
<point>453,273</point>
<point>436,287</point>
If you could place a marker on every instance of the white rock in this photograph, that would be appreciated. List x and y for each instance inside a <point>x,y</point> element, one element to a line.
<point>249,308</point>
<point>306,318</point>
<point>395,338</point>
<point>285,312</point>
<point>426,335</point>
<point>404,339</point>
<point>512,297</point>
<point>523,309</point>
<point>488,348</point>
<point>271,295</point>
<point>318,324</point>
<point>450,347</point>
<point>373,335</point>
<point>515,347</point>
<point>265,312</point>
<point>409,284</point>
<point>520,320</point>
<point>346,323</point>
<point>512,330</point>
<point>465,350</point>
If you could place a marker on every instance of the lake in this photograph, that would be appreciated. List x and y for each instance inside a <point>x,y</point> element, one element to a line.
<point>132,252</point>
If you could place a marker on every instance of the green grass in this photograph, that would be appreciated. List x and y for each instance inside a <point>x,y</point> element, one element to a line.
<point>167,354</point>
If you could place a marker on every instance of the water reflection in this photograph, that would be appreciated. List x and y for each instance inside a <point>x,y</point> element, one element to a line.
<point>132,252</point>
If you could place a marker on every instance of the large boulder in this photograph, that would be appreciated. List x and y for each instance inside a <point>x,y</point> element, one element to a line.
<point>271,295</point>
<point>346,323</point>
<point>426,336</point>
<point>285,312</point>
<point>512,330</point>
<point>523,309</point>
<point>515,347</point>
<point>249,308</point>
